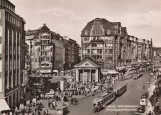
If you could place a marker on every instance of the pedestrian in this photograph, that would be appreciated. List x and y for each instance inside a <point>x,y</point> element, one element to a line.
<point>54,104</point>
<point>22,108</point>
<point>27,109</point>
<point>16,110</point>
<point>149,113</point>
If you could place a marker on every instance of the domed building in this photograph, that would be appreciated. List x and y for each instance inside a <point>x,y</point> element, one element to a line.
<point>100,40</point>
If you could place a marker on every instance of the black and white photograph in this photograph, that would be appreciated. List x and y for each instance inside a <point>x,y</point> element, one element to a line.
<point>80,57</point>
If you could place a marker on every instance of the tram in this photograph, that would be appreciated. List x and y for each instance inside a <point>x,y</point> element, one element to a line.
<point>121,90</point>
<point>100,102</point>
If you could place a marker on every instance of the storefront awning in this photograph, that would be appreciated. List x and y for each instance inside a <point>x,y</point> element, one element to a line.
<point>109,72</point>
<point>56,71</point>
<point>4,106</point>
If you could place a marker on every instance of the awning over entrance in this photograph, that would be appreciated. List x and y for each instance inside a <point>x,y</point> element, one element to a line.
<point>113,72</point>
<point>109,72</point>
<point>4,106</point>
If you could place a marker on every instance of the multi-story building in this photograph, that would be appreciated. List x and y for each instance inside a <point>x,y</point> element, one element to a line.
<point>98,42</point>
<point>157,54</point>
<point>144,50</point>
<point>71,52</point>
<point>109,44</point>
<point>12,53</point>
<point>46,50</point>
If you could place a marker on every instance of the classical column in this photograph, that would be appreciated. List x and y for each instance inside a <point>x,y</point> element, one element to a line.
<point>19,62</point>
<point>96,75</point>
<point>77,75</point>
<point>16,75</point>
<point>12,77</point>
<point>90,77</point>
<point>83,76</point>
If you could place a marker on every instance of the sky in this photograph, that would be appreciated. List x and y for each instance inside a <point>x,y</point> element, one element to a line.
<point>142,18</point>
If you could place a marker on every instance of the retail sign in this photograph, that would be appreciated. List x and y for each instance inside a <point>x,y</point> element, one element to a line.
<point>45,71</point>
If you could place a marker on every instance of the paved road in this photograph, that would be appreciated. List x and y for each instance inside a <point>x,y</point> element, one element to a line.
<point>130,97</point>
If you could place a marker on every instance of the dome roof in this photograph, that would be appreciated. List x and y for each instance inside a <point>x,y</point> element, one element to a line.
<point>44,28</point>
<point>97,27</point>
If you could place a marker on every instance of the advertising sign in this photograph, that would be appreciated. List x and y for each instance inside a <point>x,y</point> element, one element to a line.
<point>45,71</point>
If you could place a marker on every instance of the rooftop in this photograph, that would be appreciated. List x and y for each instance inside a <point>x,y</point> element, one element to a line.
<point>97,27</point>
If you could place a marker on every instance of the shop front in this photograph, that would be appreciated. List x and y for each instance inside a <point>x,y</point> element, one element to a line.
<point>112,75</point>
<point>87,71</point>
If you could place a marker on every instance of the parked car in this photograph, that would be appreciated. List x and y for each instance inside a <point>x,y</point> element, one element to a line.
<point>141,109</point>
<point>147,82</point>
<point>143,102</point>
<point>144,96</point>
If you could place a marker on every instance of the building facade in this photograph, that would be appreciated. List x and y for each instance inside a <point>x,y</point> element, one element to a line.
<point>71,53</point>
<point>46,50</point>
<point>157,54</point>
<point>109,44</point>
<point>12,53</point>
<point>87,71</point>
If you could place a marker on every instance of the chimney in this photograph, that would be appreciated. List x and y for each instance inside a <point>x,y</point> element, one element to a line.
<point>44,24</point>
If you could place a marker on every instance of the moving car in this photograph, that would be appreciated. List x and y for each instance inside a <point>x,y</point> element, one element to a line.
<point>141,109</point>
<point>143,102</point>
<point>147,82</point>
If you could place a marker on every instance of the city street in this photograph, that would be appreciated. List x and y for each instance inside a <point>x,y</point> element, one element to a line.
<point>130,97</point>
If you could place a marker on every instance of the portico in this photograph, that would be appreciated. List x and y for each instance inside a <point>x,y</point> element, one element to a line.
<point>87,71</point>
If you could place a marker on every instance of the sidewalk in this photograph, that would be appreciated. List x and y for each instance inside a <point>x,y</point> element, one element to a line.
<point>151,100</point>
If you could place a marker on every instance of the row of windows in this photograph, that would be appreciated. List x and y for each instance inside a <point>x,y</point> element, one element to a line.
<point>97,57</point>
<point>8,5</point>
<point>97,45</point>
<point>13,20</point>
<point>109,51</point>
<point>44,42</point>
<point>95,51</point>
<point>45,59</point>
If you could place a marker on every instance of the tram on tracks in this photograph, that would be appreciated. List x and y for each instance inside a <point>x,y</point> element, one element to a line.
<point>100,102</point>
<point>121,90</point>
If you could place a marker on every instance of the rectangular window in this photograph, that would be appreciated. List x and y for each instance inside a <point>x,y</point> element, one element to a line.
<point>88,51</point>
<point>86,39</point>
<point>110,51</point>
